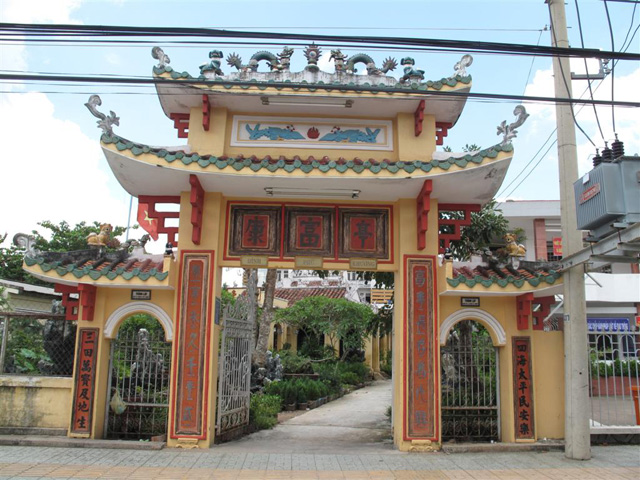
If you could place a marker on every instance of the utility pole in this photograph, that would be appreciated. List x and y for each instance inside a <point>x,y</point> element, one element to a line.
<point>576,375</point>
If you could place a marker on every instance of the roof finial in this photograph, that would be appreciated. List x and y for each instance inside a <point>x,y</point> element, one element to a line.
<point>158,54</point>
<point>509,131</point>
<point>461,66</point>
<point>104,122</point>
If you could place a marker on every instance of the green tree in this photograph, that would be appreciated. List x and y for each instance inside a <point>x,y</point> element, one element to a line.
<point>60,237</point>
<point>337,319</point>
<point>487,225</point>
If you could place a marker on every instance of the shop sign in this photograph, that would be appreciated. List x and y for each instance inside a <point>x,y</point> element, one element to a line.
<point>469,301</point>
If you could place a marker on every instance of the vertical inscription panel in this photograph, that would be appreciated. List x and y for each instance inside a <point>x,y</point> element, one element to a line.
<point>523,389</point>
<point>421,359</point>
<point>191,347</point>
<point>84,383</point>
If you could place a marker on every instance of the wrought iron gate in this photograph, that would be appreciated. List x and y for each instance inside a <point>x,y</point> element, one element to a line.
<point>235,366</point>
<point>470,402</point>
<point>138,404</point>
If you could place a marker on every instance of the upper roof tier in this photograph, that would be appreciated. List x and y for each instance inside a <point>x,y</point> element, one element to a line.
<point>281,91</point>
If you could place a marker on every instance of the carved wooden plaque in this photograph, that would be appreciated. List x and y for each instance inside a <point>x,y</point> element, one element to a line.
<point>523,389</point>
<point>84,382</point>
<point>422,379</point>
<point>364,233</point>
<point>309,231</point>
<point>254,230</point>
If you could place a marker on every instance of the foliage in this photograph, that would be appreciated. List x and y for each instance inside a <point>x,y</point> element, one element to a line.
<point>4,303</point>
<point>263,410</point>
<point>615,368</point>
<point>59,237</point>
<point>338,319</point>
<point>349,378</point>
<point>226,298</point>
<point>386,363</point>
<point>379,279</point>
<point>381,323</point>
<point>25,346</point>
<point>294,363</point>
<point>486,225</point>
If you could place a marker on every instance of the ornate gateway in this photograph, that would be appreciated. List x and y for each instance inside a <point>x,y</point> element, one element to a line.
<point>235,366</point>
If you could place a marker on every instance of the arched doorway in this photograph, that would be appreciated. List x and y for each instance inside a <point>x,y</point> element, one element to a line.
<point>470,400</point>
<point>138,388</point>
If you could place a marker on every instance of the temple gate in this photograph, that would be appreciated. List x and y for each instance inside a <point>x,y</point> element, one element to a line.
<point>309,170</point>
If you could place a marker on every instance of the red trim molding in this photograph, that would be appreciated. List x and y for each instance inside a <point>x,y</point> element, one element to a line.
<point>180,123</point>
<point>542,312</point>
<point>87,300</point>
<point>446,238</point>
<point>423,206</point>
<point>152,200</point>
<point>523,310</point>
<point>442,130</point>
<point>206,113</point>
<point>418,117</point>
<point>197,207</point>
<point>70,304</point>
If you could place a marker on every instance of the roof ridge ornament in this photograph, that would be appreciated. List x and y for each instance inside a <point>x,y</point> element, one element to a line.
<point>104,122</point>
<point>509,131</point>
<point>460,67</point>
<point>158,54</point>
<point>28,242</point>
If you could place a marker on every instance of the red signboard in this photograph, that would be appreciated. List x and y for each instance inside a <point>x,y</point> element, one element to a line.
<point>309,234</point>
<point>589,193</point>
<point>421,362</point>
<point>557,246</point>
<point>523,389</point>
<point>255,231</point>
<point>84,383</point>
<point>192,345</point>
<point>362,231</point>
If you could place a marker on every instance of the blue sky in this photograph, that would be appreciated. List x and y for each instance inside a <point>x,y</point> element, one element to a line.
<point>39,121</point>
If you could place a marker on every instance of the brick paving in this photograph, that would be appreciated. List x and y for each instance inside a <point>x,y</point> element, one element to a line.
<point>18,462</point>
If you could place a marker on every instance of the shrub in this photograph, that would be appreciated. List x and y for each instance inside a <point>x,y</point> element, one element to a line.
<point>264,410</point>
<point>385,365</point>
<point>349,378</point>
<point>288,393</point>
<point>359,369</point>
<point>313,390</point>
<point>329,375</point>
<point>294,363</point>
<point>274,388</point>
<point>301,391</point>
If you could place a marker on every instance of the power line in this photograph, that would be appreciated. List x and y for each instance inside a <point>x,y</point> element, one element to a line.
<point>305,86</point>
<point>613,66</point>
<point>458,45</point>
<point>586,67</point>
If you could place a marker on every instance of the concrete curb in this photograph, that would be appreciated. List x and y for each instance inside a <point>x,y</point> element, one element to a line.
<point>502,447</point>
<point>65,442</point>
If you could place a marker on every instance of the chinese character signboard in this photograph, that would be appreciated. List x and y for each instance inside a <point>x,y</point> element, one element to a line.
<point>421,389</point>
<point>309,231</point>
<point>557,246</point>
<point>364,233</point>
<point>290,231</point>
<point>254,230</point>
<point>84,383</point>
<point>192,345</point>
<point>523,389</point>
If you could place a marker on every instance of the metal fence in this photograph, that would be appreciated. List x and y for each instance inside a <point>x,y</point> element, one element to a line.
<point>38,344</point>
<point>470,402</point>
<point>614,371</point>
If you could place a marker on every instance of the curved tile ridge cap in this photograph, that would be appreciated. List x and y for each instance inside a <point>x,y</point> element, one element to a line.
<point>266,79</point>
<point>306,165</point>
<point>96,265</point>
<point>533,273</point>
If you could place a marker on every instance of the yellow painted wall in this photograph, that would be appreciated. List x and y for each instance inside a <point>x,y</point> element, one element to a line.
<point>547,367</point>
<point>35,402</point>
<point>217,140</point>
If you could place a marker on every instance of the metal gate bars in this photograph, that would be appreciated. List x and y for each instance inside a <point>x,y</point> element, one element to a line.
<point>235,367</point>
<point>470,401</point>
<point>140,363</point>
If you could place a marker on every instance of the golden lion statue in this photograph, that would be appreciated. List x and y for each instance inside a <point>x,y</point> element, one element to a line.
<point>103,239</point>
<point>512,248</point>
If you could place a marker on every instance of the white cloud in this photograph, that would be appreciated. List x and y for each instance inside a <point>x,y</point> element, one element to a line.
<point>39,11</point>
<point>50,169</point>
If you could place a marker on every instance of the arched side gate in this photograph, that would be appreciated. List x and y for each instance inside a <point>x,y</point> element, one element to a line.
<point>139,366</point>
<point>470,400</point>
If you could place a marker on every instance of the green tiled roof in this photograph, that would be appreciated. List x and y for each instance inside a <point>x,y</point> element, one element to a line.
<point>307,165</point>
<point>400,88</point>
<point>504,276</point>
<point>95,270</point>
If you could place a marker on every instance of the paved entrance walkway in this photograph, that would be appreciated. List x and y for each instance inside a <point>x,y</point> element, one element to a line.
<point>355,423</point>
